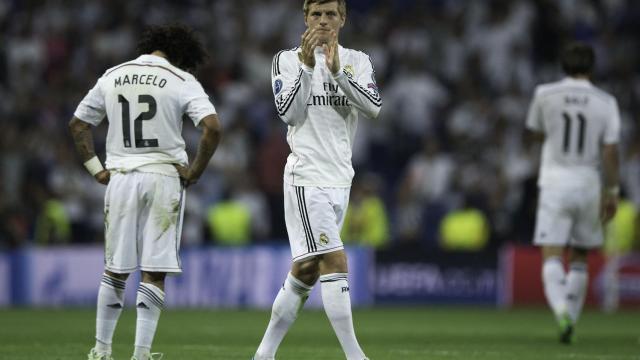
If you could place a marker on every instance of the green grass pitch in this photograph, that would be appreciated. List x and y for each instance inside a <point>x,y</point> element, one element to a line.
<point>385,334</point>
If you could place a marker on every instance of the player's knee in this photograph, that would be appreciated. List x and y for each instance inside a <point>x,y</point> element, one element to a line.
<point>116,276</point>
<point>307,271</point>
<point>334,262</point>
<point>552,251</point>
<point>578,254</point>
<point>155,278</point>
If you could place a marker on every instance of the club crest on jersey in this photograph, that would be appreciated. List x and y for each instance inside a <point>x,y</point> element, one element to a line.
<point>277,86</point>
<point>324,239</point>
<point>349,70</point>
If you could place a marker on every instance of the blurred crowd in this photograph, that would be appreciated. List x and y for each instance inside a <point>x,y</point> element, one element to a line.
<point>456,78</point>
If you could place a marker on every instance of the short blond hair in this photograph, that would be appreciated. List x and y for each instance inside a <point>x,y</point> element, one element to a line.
<point>342,6</point>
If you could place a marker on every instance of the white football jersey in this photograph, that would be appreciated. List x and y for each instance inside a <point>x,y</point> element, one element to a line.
<point>576,119</point>
<point>144,101</point>
<point>322,113</point>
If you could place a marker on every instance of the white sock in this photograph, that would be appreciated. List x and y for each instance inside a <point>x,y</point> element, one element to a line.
<point>553,277</point>
<point>149,303</point>
<point>576,288</point>
<point>337,305</point>
<point>284,312</point>
<point>109,308</point>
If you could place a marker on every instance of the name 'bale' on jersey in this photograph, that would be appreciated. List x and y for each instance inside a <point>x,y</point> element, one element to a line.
<point>144,101</point>
<point>576,118</point>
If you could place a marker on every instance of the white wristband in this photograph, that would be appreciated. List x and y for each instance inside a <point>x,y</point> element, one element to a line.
<point>93,165</point>
<point>613,190</point>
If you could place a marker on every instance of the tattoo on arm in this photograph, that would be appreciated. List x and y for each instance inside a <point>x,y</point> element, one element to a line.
<point>209,141</point>
<point>83,138</point>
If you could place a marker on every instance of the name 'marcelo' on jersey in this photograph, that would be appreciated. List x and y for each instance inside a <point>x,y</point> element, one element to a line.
<point>144,101</point>
<point>322,113</point>
<point>576,119</point>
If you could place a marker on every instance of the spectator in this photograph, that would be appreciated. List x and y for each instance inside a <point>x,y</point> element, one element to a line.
<point>464,229</point>
<point>366,222</point>
<point>455,75</point>
<point>229,221</point>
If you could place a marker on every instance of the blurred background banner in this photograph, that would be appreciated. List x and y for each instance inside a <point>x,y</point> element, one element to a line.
<point>523,284</point>
<point>250,277</point>
<point>5,280</point>
<point>214,277</point>
<point>409,277</point>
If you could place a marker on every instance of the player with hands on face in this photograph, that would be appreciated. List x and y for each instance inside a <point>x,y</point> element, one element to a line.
<point>320,89</point>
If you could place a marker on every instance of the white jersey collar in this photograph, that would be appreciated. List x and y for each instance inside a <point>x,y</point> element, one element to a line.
<point>153,58</point>
<point>577,82</point>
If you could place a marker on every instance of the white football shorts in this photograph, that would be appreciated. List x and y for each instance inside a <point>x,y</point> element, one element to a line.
<point>314,217</point>
<point>569,217</point>
<point>143,222</point>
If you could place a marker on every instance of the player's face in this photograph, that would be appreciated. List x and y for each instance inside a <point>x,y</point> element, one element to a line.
<point>324,17</point>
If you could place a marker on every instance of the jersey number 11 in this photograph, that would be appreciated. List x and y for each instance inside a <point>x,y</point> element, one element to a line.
<point>582,123</point>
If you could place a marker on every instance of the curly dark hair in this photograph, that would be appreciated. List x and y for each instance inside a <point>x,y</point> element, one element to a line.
<point>179,42</point>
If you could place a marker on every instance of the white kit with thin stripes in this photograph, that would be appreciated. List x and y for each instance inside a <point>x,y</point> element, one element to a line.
<point>576,119</point>
<point>145,100</point>
<point>314,217</point>
<point>143,222</point>
<point>321,111</point>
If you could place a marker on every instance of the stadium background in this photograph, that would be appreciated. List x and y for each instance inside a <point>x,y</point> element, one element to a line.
<point>456,78</point>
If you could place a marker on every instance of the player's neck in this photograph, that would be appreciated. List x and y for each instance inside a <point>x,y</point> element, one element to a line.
<point>581,77</point>
<point>159,53</point>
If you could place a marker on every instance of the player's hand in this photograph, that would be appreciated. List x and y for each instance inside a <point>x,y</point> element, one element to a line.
<point>103,177</point>
<point>186,175</point>
<point>331,53</point>
<point>308,45</point>
<point>608,207</point>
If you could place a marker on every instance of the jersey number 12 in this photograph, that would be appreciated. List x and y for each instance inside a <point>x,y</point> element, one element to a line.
<point>140,142</point>
<point>582,123</point>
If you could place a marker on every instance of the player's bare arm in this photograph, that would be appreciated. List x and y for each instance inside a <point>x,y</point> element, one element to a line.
<point>83,139</point>
<point>211,134</point>
<point>331,53</point>
<point>610,165</point>
<point>308,45</point>
<point>532,137</point>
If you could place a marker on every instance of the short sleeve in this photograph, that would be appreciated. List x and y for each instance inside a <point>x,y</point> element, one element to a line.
<point>196,102</point>
<point>534,116</point>
<point>92,108</point>
<point>612,131</point>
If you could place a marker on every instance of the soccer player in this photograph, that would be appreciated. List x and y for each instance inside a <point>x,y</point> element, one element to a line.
<point>146,171</point>
<point>319,88</point>
<point>580,127</point>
